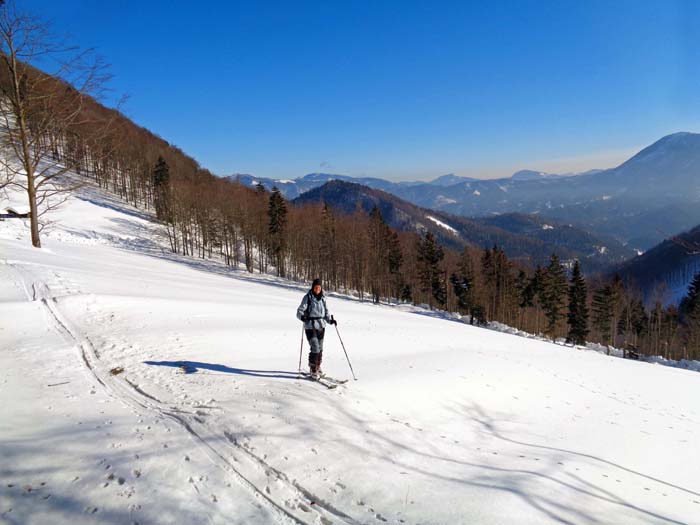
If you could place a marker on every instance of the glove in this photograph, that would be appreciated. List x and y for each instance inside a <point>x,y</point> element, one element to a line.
<point>305,317</point>
<point>332,321</point>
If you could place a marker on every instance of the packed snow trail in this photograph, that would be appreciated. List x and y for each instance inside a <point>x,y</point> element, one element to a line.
<point>447,424</point>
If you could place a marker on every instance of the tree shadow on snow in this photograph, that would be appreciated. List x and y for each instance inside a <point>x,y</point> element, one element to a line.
<point>540,484</point>
<point>190,367</point>
<point>44,475</point>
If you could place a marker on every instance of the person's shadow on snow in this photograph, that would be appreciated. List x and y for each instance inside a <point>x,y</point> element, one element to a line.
<point>190,367</point>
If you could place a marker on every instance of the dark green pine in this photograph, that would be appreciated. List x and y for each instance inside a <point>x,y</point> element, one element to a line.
<point>577,318</point>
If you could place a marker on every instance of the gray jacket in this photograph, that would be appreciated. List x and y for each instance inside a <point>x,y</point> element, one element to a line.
<point>318,313</point>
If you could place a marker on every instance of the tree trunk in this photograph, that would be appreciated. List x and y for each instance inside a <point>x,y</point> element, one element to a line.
<point>33,212</point>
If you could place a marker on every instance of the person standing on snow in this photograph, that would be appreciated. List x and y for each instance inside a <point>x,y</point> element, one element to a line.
<point>314,313</point>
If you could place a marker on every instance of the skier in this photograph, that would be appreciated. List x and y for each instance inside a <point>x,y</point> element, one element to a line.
<point>313,312</point>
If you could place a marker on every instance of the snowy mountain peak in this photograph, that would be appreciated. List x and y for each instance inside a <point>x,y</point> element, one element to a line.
<point>668,168</point>
<point>683,143</point>
<point>450,179</point>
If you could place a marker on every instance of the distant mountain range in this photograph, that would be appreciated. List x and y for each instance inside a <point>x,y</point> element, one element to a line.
<point>292,188</point>
<point>651,196</point>
<point>523,237</point>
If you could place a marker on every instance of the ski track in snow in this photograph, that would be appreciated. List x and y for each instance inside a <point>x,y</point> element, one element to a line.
<point>258,475</point>
<point>483,428</point>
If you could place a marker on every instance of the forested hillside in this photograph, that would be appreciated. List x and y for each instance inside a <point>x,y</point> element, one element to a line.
<point>355,251</point>
<point>527,239</point>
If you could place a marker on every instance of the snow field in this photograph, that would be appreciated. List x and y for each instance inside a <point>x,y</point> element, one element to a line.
<point>208,422</point>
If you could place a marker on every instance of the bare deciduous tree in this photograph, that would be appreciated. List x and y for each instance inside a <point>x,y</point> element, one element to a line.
<point>45,131</point>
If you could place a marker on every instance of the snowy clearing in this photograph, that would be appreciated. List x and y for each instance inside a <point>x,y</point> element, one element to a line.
<point>143,387</point>
<point>442,224</point>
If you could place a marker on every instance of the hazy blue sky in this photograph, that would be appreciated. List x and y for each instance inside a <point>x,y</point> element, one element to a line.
<point>401,90</point>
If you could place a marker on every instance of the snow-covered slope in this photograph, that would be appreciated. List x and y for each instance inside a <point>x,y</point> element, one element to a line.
<point>208,422</point>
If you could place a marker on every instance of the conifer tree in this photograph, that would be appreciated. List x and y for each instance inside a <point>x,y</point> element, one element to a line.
<point>498,284</point>
<point>606,308</point>
<point>277,215</point>
<point>602,312</point>
<point>464,286</point>
<point>525,290</point>
<point>578,309</point>
<point>618,295</point>
<point>553,295</point>
<point>690,311</point>
<point>537,292</point>
<point>395,260</point>
<point>430,274</point>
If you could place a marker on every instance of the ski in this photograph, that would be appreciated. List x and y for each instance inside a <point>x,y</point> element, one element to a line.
<point>327,381</point>
<point>320,380</point>
<point>327,378</point>
<point>334,380</point>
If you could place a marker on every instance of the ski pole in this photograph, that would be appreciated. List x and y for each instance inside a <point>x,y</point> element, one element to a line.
<point>346,352</point>
<point>301,346</point>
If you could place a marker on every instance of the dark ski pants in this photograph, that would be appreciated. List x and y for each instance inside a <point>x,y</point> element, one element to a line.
<point>315,338</point>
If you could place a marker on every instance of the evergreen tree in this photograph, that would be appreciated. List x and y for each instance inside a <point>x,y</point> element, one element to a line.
<point>554,287</point>
<point>691,302</point>
<point>464,286</point>
<point>577,318</point>
<point>161,189</point>
<point>536,291</point>
<point>395,260</point>
<point>617,297</point>
<point>406,294</point>
<point>525,290</point>
<point>603,312</point>
<point>690,312</point>
<point>499,285</point>
<point>430,274</point>
<point>606,308</point>
<point>277,216</point>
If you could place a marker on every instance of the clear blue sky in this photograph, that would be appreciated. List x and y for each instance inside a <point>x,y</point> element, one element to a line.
<point>401,90</point>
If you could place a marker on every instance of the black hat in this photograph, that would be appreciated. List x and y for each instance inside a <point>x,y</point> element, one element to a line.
<point>316,282</point>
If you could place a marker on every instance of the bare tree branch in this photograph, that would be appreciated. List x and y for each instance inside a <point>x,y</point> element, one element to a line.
<point>42,108</point>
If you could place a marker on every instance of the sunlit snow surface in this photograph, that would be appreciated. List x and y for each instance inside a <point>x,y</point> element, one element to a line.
<point>441,224</point>
<point>208,422</point>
